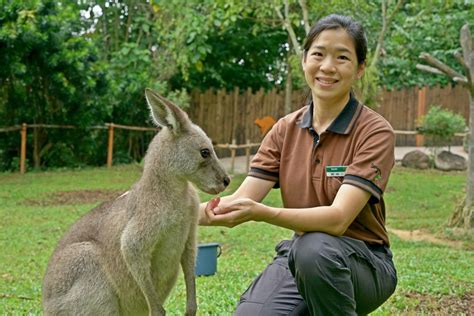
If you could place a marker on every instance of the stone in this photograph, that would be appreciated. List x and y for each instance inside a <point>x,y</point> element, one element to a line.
<point>416,159</point>
<point>447,161</point>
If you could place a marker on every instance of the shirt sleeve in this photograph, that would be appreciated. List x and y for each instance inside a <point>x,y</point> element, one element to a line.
<point>266,162</point>
<point>371,165</point>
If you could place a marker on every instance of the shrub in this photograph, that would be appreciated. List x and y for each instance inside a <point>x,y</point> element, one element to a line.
<point>441,125</point>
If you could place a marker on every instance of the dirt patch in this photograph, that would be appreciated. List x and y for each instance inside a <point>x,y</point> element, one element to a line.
<point>443,304</point>
<point>419,235</point>
<point>75,197</point>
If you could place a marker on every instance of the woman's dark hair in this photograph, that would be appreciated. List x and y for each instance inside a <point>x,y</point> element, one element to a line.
<point>335,21</point>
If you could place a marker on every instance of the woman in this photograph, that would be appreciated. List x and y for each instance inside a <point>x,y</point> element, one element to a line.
<point>332,160</point>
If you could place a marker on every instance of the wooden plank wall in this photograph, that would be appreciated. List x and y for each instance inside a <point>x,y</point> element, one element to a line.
<point>227,115</point>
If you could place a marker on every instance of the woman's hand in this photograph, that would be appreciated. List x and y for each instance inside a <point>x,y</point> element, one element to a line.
<point>239,207</point>
<point>207,216</point>
<point>235,212</point>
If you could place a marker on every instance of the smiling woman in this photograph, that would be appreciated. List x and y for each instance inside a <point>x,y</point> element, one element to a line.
<point>332,160</point>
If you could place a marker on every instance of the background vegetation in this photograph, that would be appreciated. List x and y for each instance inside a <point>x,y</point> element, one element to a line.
<point>87,62</point>
<point>434,278</point>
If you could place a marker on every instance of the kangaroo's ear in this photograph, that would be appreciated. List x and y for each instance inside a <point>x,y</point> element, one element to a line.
<point>165,113</point>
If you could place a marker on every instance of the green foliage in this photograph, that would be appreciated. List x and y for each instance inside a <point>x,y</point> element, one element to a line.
<point>228,63</point>
<point>87,62</point>
<point>423,26</point>
<point>441,125</point>
<point>367,88</point>
<point>49,74</point>
<point>33,222</point>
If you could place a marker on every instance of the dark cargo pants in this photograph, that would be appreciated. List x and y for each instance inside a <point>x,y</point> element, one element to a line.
<point>319,274</point>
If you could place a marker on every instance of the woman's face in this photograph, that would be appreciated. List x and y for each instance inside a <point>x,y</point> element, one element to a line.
<point>330,65</point>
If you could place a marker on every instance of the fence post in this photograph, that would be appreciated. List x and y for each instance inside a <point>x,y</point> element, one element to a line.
<point>421,110</point>
<point>110,147</point>
<point>232,154</point>
<point>23,149</point>
<point>247,155</point>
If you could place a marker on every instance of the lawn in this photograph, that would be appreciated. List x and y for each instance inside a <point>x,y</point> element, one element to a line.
<point>434,278</point>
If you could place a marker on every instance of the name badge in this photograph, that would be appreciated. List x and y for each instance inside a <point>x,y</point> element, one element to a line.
<point>336,171</point>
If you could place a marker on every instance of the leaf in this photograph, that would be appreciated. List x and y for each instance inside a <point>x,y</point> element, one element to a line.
<point>199,66</point>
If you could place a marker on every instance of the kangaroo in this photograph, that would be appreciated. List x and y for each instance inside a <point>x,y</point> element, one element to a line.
<point>122,258</point>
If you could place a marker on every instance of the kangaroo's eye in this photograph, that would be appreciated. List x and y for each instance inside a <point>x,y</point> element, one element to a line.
<point>205,153</point>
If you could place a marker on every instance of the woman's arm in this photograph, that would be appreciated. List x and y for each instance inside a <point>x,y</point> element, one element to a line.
<point>251,188</point>
<point>333,219</point>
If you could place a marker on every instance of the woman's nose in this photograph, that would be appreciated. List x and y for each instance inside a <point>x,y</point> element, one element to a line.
<point>327,65</point>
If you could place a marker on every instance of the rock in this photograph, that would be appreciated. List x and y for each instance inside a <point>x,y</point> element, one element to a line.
<point>416,159</point>
<point>448,161</point>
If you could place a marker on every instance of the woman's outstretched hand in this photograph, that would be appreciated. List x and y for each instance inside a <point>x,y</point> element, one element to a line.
<point>236,212</point>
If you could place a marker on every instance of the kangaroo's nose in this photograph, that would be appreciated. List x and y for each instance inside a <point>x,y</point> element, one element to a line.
<point>226,181</point>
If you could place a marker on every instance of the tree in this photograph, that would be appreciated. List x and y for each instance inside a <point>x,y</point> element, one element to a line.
<point>422,26</point>
<point>369,86</point>
<point>231,63</point>
<point>464,214</point>
<point>49,74</point>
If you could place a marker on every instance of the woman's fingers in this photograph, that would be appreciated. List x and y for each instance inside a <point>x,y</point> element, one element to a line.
<point>212,204</point>
<point>233,206</point>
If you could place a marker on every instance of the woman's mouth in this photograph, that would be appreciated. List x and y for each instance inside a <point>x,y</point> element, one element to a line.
<point>326,82</point>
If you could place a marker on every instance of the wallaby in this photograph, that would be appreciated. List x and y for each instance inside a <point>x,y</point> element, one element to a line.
<point>122,258</point>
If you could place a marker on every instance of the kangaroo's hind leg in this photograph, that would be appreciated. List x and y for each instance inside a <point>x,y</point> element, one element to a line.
<point>76,284</point>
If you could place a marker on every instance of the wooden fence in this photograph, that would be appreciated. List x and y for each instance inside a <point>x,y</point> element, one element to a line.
<point>110,127</point>
<point>231,115</point>
<point>403,108</point>
<point>110,142</point>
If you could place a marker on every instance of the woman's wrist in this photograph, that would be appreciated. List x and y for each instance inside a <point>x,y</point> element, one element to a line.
<point>265,213</point>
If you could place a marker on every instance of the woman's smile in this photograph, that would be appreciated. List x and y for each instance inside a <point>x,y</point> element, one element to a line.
<point>326,82</point>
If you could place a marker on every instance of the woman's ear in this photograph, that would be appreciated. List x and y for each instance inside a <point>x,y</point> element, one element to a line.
<point>303,60</point>
<point>360,71</point>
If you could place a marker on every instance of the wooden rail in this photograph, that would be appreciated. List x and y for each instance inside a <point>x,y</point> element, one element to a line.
<point>23,128</point>
<point>233,147</point>
<point>233,151</point>
<point>110,141</point>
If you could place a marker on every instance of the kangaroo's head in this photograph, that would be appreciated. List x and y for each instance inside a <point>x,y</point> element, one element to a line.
<point>182,148</point>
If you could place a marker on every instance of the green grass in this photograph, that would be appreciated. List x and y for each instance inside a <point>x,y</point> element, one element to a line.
<point>433,279</point>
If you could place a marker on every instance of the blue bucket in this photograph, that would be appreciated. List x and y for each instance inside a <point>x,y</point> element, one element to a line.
<point>206,259</point>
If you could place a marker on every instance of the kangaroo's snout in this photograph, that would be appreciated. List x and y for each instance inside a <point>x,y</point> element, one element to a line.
<point>226,181</point>
<point>213,184</point>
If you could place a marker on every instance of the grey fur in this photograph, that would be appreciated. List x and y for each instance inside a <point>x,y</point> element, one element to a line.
<point>122,258</point>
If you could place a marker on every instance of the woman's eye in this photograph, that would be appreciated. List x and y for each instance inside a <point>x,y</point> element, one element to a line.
<point>344,57</point>
<point>205,153</point>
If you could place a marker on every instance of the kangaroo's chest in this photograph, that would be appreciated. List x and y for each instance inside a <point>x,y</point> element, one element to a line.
<point>175,229</point>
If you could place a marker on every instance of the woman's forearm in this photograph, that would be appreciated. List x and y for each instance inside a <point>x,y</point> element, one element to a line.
<point>333,219</point>
<point>326,219</point>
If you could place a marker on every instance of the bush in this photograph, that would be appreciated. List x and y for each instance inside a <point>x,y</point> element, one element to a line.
<point>441,125</point>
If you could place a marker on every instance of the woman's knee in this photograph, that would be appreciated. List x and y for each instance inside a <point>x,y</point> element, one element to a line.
<point>312,253</point>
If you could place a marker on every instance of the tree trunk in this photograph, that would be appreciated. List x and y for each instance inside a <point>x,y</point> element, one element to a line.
<point>463,215</point>
<point>466,220</point>
<point>289,81</point>
<point>467,214</point>
<point>288,90</point>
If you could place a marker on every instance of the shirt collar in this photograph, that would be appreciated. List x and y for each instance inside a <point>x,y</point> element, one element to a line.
<point>343,122</point>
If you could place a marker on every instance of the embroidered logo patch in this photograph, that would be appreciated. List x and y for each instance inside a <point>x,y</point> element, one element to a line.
<point>378,173</point>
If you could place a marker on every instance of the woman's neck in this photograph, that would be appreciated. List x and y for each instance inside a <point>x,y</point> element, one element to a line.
<point>325,111</point>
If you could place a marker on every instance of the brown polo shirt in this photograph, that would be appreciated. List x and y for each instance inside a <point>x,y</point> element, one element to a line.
<point>309,168</point>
